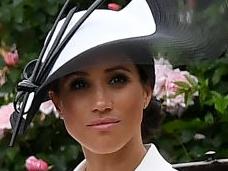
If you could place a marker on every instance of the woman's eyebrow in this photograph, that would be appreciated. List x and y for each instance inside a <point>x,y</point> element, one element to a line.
<point>119,67</point>
<point>77,73</point>
<point>82,73</point>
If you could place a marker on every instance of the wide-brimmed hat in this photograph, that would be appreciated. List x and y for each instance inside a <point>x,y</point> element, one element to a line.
<point>138,30</point>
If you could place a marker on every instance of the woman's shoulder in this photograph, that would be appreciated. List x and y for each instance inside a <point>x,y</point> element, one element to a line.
<point>154,160</point>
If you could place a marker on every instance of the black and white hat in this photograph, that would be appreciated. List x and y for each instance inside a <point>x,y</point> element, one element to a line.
<point>138,29</point>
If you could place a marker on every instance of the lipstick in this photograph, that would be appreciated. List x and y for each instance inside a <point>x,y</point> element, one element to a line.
<point>103,124</point>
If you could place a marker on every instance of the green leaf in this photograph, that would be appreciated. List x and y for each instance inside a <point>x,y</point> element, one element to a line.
<point>209,118</point>
<point>18,15</point>
<point>204,91</point>
<point>52,10</point>
<point>191,81</point>
<point>59,162</point>
<point>17,2</point>
<point>186,136</point>
<point>2,63</point>
<point>12,152</point>
<point>5,13</point>
<point>182,84</point>
<point>14,75</point>
<point>220,102</point>
<point>219,72</point>
<point>179,125</point>
<point>221,105</point>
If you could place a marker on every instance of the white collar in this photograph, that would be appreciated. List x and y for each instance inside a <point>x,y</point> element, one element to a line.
<point>81,166</point>
<point>152,159</point>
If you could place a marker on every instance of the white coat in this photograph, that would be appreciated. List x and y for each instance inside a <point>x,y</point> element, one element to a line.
<point>152,161</point>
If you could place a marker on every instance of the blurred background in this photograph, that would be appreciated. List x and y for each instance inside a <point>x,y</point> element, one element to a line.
<point>190,129</point>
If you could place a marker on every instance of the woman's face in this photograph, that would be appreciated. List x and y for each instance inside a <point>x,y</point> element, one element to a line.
<point>102,105</point>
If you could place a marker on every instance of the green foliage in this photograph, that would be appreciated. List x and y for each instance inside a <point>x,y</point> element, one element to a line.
<point>188,88</point>
<point>207,117</point>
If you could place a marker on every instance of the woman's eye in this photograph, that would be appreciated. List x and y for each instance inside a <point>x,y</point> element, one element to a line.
<point>79,84</point>
<point>119,79</point>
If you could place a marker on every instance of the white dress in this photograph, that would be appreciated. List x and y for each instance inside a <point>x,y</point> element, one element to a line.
<point>151,161</point>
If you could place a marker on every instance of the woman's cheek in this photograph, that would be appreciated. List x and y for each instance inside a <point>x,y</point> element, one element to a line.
<point>74,116</point>
<point>130,104</point>
<point>73,125</point>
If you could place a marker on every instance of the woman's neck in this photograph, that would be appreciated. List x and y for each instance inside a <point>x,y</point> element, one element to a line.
<point>125,159</point>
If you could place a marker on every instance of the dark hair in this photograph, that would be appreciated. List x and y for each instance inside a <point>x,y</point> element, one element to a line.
<point>152,115</point>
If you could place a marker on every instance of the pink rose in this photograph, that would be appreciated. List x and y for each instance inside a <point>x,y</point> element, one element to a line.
<point>48,107</point>
<point>34,164</point>
<point>114,6</point>
<point>166,88</point>
<point>11,58</point>
<point>162,69</point>
<point>5,112</point>
<point>171,88</point>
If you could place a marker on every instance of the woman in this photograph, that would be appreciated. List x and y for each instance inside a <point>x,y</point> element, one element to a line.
<point>102,107</point>
<point>97,68</point>
<point>102,102</point>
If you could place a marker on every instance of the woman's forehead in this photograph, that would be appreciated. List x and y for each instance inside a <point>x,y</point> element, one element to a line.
<point>105,62</point>
<point>128,68</point>
<point>104,69</point>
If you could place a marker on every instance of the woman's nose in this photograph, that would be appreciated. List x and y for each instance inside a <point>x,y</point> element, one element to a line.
<point>101,102</point>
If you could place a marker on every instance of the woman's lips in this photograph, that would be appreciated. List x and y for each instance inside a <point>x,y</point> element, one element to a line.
<point>103,124</point>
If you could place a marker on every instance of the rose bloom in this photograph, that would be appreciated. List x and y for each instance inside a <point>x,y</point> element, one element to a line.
<point>5,112</point>
<point>11,58</point>
<point>48,107</point>
<point>165,87</point>
<point>34,164</point>
<point>114,6</point>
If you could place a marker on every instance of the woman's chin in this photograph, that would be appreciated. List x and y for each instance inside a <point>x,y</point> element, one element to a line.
<point>103,148</point>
